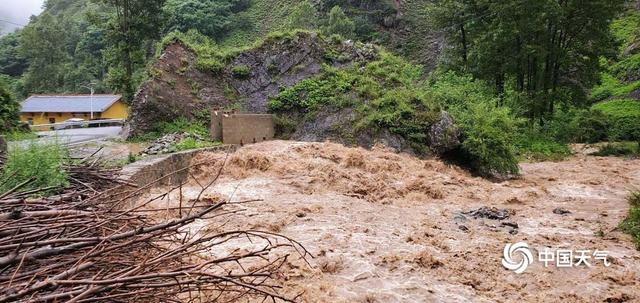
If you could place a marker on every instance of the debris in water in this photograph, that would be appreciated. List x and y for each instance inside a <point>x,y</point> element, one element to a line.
<point>561,211</point>
<point>491,213</point>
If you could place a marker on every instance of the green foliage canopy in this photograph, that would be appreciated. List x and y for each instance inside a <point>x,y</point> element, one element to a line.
<point>339,24</point>
<point>548,50</point>
<point>9,109</point>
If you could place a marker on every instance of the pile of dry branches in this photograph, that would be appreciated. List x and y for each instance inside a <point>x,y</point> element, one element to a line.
<point>80,246</point>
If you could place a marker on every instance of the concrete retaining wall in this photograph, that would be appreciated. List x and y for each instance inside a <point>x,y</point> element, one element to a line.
<point>247,128</point>
<point>232,128</point>
<point>164,170</point>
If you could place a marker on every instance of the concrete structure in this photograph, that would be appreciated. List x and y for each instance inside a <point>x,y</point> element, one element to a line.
<point>49,109</point>
<point>163,170</point>
<point>234,128</point>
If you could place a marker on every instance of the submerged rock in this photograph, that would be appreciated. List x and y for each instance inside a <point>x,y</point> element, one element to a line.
<point>561,211</point>
<point>490,213</point>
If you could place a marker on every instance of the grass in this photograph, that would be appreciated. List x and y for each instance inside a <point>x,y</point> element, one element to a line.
<point>612,87</point>
<point>262,17</point>
<point>623,116</point>
<point>625,28</point>
<point>631,225</point>
<point>619,149</point>
<point>20,136</point>
<point>192,143</point>
<point>44,163</point>
<point>619,108</point>
<point>538,147</point>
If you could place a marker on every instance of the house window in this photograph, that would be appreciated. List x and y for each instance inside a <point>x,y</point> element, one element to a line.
<point>52,120</point>
<point>30,121</point>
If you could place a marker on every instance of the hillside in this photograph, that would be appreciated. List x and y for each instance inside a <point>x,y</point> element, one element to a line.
<point>192,76</point>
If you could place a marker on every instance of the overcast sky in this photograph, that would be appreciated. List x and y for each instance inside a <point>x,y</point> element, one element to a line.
<point>18,12</point>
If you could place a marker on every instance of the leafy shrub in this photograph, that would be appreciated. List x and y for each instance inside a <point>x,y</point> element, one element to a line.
<point>623,118</point>
<point>536,145</point>
<point>241,71</point>
<point>184,125</point>
<point>627,69</point>
<point>386,94</point>
<point>192,143</point>
<point>619,149</point>
<point>612,87</point>
<point>619,108</point>
<point>9,109</point>
<point>488,133</point>
<point>339,24</point>
<point>42,162</point>
<point>589,126</point>
<point>209,57</point>
<point>309,94</point>
<point>488,130</point>
<point>303,16</point>
<point>632,224</point>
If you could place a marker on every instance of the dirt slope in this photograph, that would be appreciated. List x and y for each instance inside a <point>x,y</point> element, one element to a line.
<point>388,227</point>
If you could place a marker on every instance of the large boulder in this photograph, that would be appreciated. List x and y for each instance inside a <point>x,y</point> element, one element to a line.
<point>444,135</point>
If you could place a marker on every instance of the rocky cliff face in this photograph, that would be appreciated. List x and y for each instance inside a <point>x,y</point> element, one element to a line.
<point>177,88</point>
<point>281,63</point>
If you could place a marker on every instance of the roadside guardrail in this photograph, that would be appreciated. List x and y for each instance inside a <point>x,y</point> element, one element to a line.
<point>78,124</point>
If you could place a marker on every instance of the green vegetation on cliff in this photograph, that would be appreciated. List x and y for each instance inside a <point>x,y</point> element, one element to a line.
<point>389,94</point>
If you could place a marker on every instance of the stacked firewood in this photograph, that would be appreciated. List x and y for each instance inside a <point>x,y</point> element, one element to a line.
<point>82,246</point>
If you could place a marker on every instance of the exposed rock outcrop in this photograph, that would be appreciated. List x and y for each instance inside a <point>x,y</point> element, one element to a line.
<point>177,88</point>
<point>444,135</point>
<point>250,78</point>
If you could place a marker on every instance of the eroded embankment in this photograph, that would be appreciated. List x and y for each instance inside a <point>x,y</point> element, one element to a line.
<point>389,227</point>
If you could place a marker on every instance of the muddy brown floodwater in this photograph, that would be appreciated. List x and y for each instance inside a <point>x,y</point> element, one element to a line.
<point>388,227</point>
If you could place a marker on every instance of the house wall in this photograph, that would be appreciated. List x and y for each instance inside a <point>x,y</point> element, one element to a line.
<point>117,111</point>
<point>247,128</point>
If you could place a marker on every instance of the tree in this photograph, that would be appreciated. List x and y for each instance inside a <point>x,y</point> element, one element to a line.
<point>11,63</point>
<point>43,43</point>
<point>303,16</point>
<point>339,24</point>
<point>208,17</point>
<point>131,33</point>
<point>548,50</point>
<point>9,109</point>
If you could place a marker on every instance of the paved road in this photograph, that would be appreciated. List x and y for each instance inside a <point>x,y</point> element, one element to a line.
<point>80,135</point>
